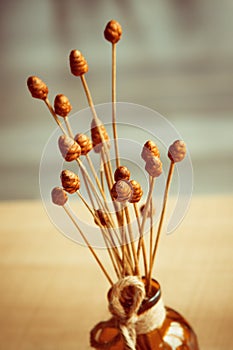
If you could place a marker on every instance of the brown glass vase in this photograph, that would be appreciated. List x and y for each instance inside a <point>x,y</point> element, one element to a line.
<point>157,328</point>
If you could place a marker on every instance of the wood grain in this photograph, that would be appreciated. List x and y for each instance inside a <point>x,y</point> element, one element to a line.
<point>52,292</point>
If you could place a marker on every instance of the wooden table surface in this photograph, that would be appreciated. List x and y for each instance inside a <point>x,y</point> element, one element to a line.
<point>52,292</point>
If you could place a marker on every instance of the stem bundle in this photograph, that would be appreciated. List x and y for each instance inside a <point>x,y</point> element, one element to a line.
<point>114,220</point>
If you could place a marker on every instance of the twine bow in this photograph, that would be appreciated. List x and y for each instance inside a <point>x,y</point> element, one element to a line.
<point>125,299</point>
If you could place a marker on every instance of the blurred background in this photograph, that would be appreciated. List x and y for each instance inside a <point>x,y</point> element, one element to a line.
<point>176,57</point>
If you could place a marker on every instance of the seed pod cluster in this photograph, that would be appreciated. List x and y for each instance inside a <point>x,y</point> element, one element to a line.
<point>84,142</point>
<point>62,105</point>
<point>113,31</point>
<point>59,196</point>
<point>78,63</point>
<point>122,173</point>
<point>121,191</point>
<point>154,166</point>
<point>150,154</point>
<point>136,191</point>
<point>101,217</point>
<point>37,88</point>
<point>177,151</point>
<point>149,149</point>
<point>69,148</point>
<point>96,137</point>
<point>70,181</point>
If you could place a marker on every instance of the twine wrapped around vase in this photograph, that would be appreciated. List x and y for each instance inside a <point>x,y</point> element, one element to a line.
<point>125,299</point>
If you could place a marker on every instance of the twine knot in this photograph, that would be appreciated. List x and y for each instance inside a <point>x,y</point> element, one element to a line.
<point>125,298</point>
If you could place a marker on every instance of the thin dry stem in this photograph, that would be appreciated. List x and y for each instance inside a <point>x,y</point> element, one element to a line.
<point>84,172</point>
<point>111,247</point>
<point>91,104</point>
<point>105,236</point>
<point>114,127</point>
<point>96,177</point>
<point>48,104</point>
<point>68,127</point>
<point>141,239</point>
<point>106,171</point>
<point>148,282</point>
<point>86,175</point>
<point>169,177</point>
<point>126,255</point>
<point>145,212</point>
<point>87,187</point>
<point>88,245</point>
<point>85,203</point>
<point>128,220</point>
<point>110,253</point>
<point>102,174</point>
<point>102,205</point>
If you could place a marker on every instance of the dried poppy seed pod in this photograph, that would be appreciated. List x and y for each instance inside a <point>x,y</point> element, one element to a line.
<point>70,150</point>
<point>62,105</point>
<point>121,173</point>
<point>177,151</point>
<point>84,142</point>
<point>136,192</point>
<point>149,149</point>
<point>113,31</point>
<point>121,191</point>
<point>101,217</point>
<point>78,64</point>
<point>95,135</point>
<point>37,88</point>
<point>154,166</point>
<point>70,181</point>
<point>59,197</point>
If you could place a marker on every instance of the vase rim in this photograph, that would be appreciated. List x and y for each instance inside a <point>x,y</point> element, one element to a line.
<point>153,299</point>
